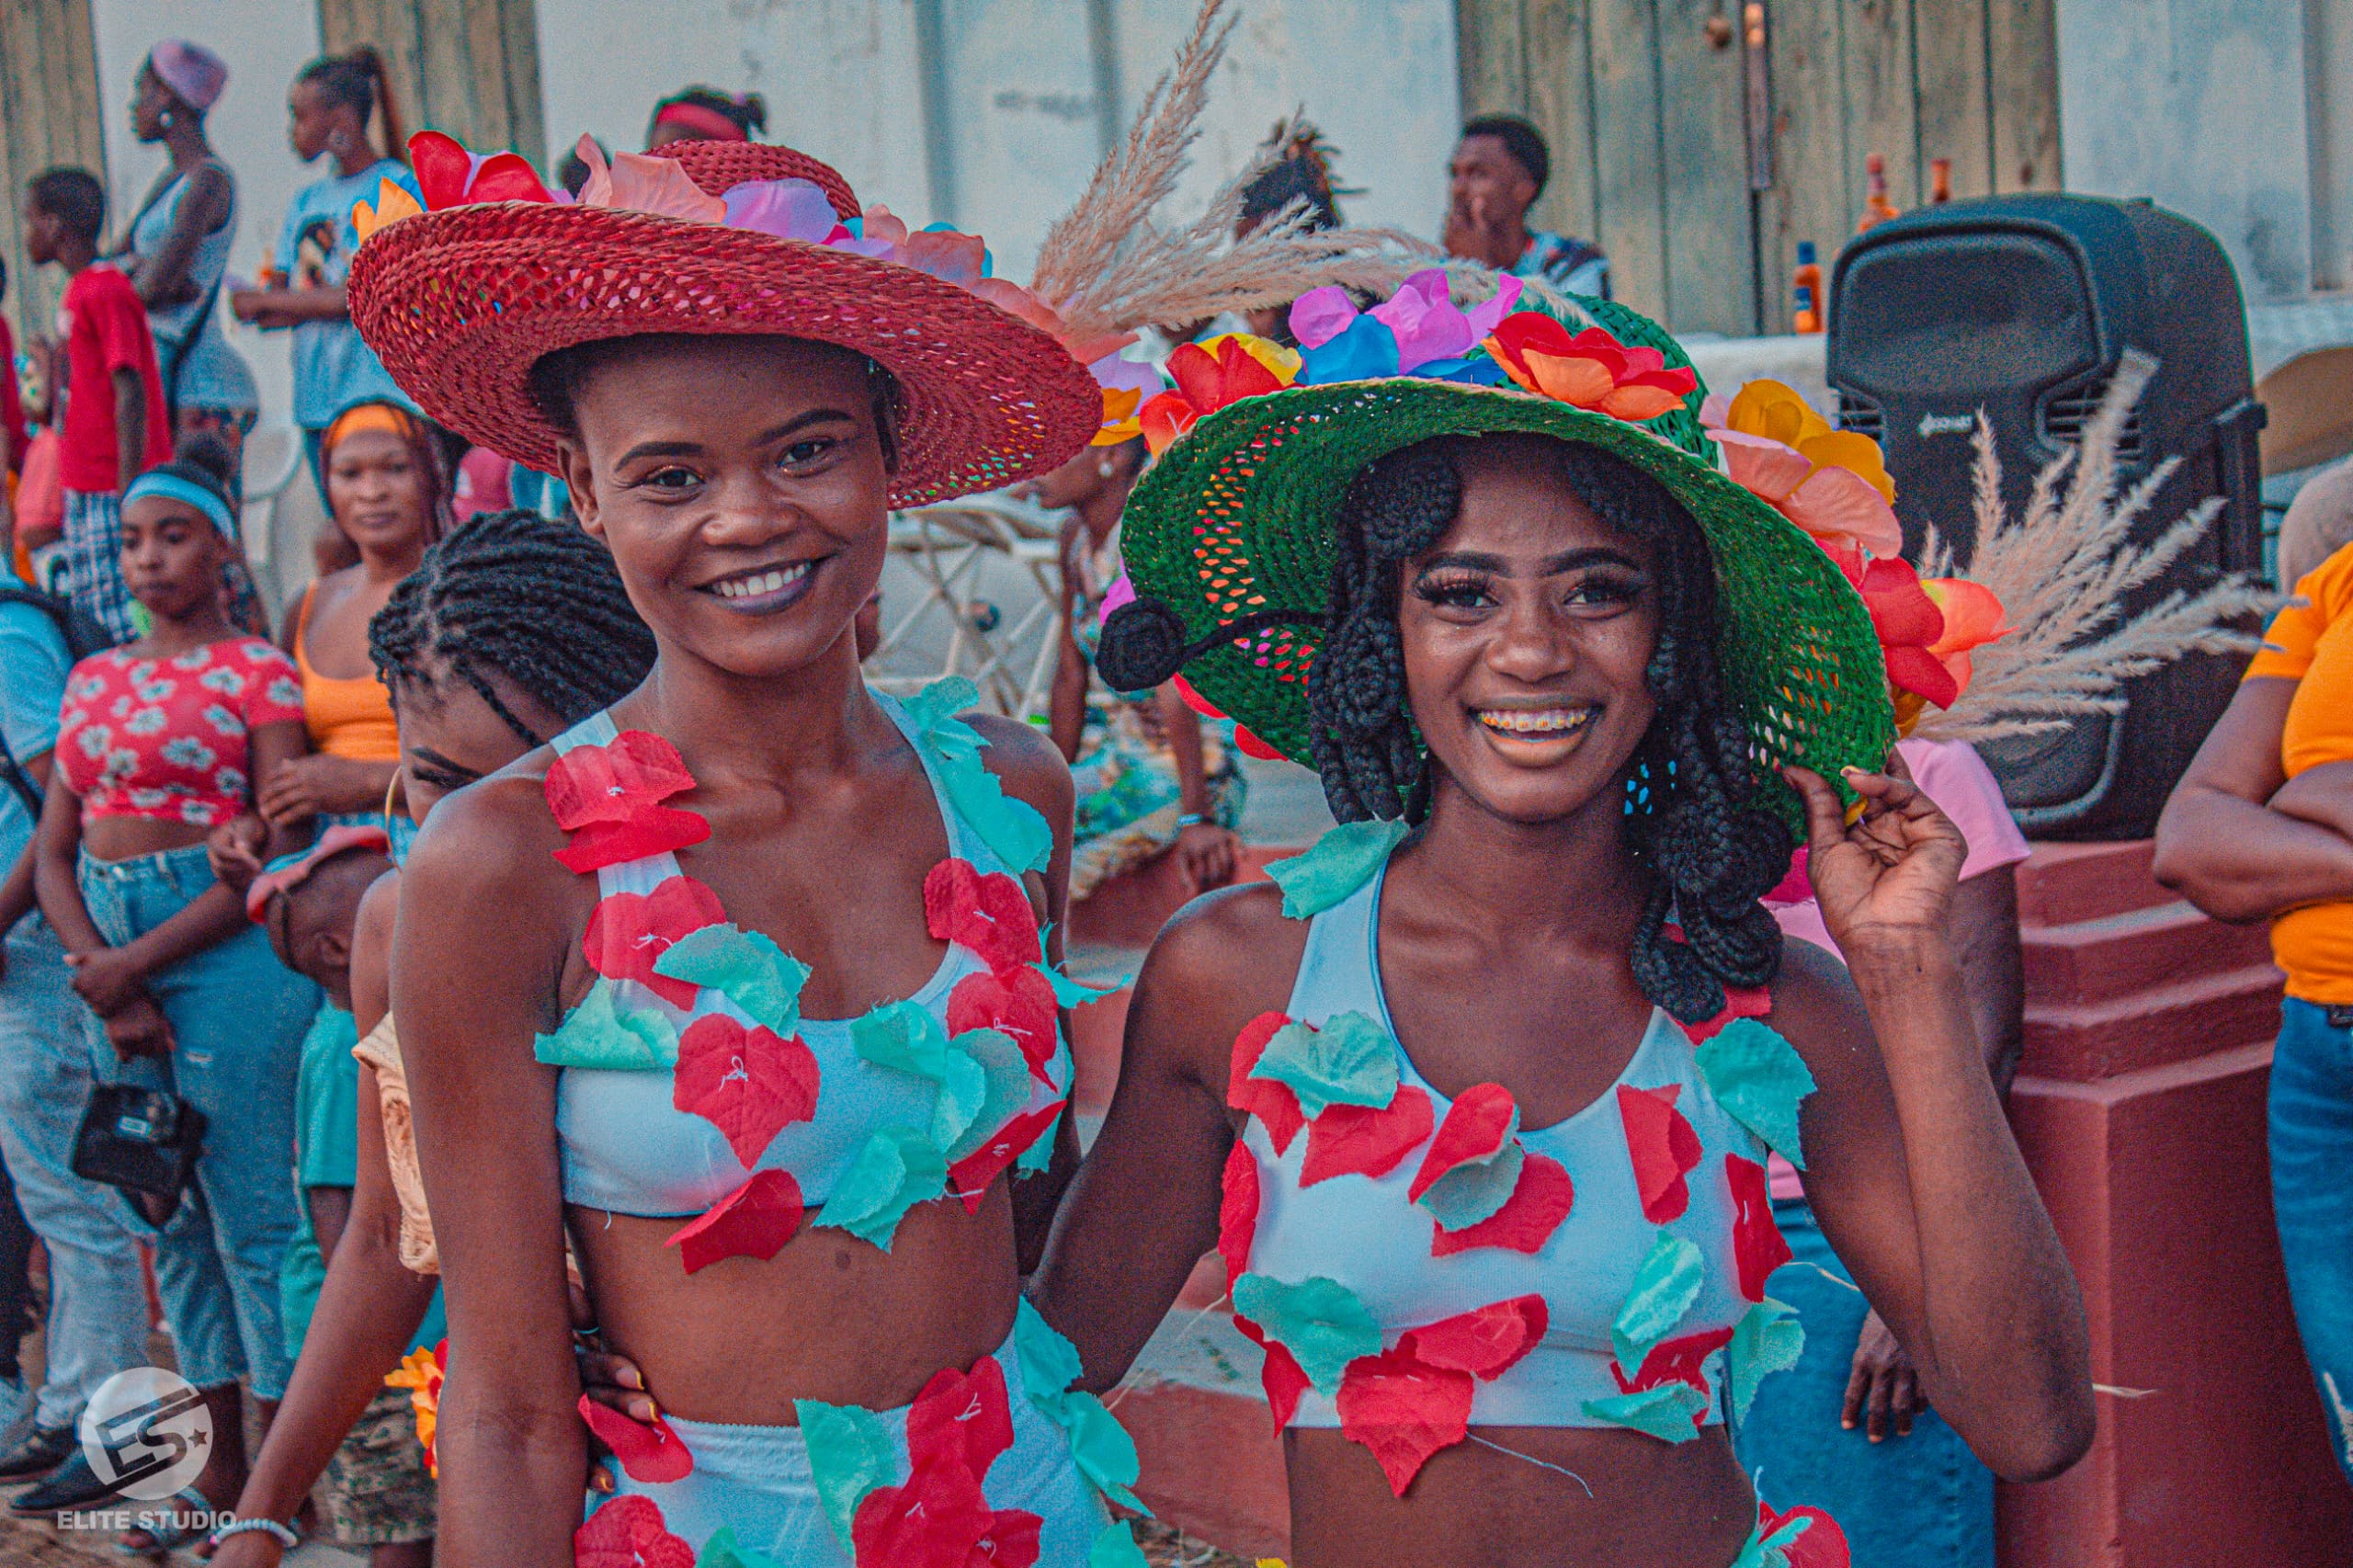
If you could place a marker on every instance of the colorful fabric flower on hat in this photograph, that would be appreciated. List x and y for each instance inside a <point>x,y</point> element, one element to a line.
<point>1926,628</point>
<point>1589,369</point>
<point>451,176</point>
<point>1832,483</point>
<point>392,203</point>
<point>1418,331</point>
<point>1210,375</point>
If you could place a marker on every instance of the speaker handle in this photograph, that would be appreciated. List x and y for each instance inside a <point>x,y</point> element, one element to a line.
<point>2239,464</point>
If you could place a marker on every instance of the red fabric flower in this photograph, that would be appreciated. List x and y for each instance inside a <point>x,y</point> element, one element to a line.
<point>628,933</point>
<point>1487,1341</point>
<point>963,1413</point>
<point>1590,369</point>
<point>1366,1140</point>
<point>751,1083</point>
<point>754,1220</point>
<point>1758,1248</point>
<point>1237,1210</point>
<point>969,1178</point>
<point>628,1532</point>
<point>1272,1103</point>
<point>1676,1361</point>
<point>1662,1147</point>
<point>1908,624</point>
<point>989,915</point>
<point>1475,1127</point>
<point>1281,1376</point>
<point>1822,1544</point>
<point>1527,1220</point>
<point>609,799</point>
<point>1405,1410</point>
<point>448,175</point>
<point>648,1451</point>
<point>1019,1003</point>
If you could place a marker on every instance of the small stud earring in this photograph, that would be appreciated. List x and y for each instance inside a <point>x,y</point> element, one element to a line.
<point>1103,467</point>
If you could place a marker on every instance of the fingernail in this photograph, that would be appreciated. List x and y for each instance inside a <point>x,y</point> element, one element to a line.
<point>633,1378</point>
<point>643,1410</point>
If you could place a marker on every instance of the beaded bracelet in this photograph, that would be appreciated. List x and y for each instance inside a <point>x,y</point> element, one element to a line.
<point>284,1538</point>
<point>1191,819</point>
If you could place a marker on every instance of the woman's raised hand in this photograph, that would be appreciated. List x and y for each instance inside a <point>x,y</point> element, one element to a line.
<point>1887,877</point>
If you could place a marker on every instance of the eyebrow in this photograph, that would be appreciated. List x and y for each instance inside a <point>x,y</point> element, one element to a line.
<point>432,758</point>
<point>1567,561</point>
<point>776,433</point>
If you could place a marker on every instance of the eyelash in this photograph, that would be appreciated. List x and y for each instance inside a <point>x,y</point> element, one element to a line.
<point>814,449</point>
<point>1465,592</point>
<point>437,779</point>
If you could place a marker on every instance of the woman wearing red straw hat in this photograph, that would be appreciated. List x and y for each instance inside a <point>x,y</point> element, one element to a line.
<point>784,1127</point>
<point>1491,1072</point>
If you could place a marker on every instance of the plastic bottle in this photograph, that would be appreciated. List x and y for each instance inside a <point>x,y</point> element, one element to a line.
<point>1939,181</point>
<point>1877,208</point>
<point>1807,317</point>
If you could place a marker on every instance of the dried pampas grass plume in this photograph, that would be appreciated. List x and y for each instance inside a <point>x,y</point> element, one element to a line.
<point>1107,268</point>
<point>2063,569</point>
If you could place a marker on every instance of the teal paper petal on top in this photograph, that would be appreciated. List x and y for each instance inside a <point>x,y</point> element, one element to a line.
<point>722,1552</point>
<point>1767,1339</point>
<point>1473,1192</point>
<point>1004,1083</point>
<point>1102,1449</point>
<point>1350,1060</point>
<point>599,1034</point>
<point>1319,1321</point>
<point>744,967</point>
<point>1116,1548</point>
<point>1342,861</point>
<point>904,1036</point>
<point>1759,1078</point>
<point>940,702</point>
<point>1011,828</point>
<point>897,1168</point>
<point>1041,1151</point>
<point>1665,1286</point>
<point>1069,993</point>
<point>964,1094</point>
<point>1664,1412</point>
<point>1049,1362</point>
<point>850,1454</point>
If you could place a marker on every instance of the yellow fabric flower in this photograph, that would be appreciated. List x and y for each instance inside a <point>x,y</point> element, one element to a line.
<point>420,1373</point>
<point>392,204</point>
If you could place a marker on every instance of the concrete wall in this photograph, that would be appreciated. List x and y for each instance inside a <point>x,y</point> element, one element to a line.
<point>2202,106</point>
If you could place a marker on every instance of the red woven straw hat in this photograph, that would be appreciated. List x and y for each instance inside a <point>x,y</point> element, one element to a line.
<point>460,300</point>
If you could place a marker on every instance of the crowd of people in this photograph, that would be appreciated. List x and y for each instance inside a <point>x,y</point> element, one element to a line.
<point>600,1072</point>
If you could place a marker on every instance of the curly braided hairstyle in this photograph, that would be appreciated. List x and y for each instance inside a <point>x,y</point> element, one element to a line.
<point>516,594</point>
<point>1712,852</point>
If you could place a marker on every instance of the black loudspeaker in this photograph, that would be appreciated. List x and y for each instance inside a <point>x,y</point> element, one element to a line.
<point>2025,307</point>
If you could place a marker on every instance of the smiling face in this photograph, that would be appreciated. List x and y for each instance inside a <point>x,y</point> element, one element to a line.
<point>171,557</point>
<point>379,494</point>
<point>741,484</point>
<point>451,737</point>
<point>1527,632</point>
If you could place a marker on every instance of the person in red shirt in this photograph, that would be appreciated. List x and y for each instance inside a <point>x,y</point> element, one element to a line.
<point>115,426</point>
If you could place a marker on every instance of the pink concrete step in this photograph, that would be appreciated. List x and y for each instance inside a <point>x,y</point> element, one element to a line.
<point>2095,961</point>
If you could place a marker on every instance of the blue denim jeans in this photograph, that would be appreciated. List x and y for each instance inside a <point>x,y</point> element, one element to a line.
<point>2311,1195</point>
<point>238,1016</point>
<point>1921,1501</point>
<point>98,1304</point>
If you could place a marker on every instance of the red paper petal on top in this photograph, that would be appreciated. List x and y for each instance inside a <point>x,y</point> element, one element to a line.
<point>1237,1210</point>
<point>1405,1410</point>
<point>1373,1141</point>
<point>1272,1103</point>
<point>506,177</point>
<point>1193,700</point>
<point>1822,1545</point>
<point>1475,1127</point>
<point>629,1532</point>
<point>614,782</point>
<point>754,1220</point>
<point>628,933</point>
<point>1918,671</point>
<point>1676,1361</point>
<point>1246,740</point>
<point>1012,1540</point>
<point>1747,1001</point>
<point>1019,1003</point>
<point>989,915</point>
<point>442,166</point>
<point>1758,1248</point>
<point>969,1178</point>
<point>1485,1342</point>
<point>1282,1376</point>
<point>751,1083</point>
<point>648,1451</point>
<point>962,1415</point>
<point>935,1519</point>
<point>1527,1219</point>
<point>1662,1147</point>
<point>656,830</point>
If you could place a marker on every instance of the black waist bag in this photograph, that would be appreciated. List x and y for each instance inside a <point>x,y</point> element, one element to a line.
<point>139,1140</point>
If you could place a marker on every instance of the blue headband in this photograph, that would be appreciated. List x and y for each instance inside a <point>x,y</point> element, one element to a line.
<point>171,486</point>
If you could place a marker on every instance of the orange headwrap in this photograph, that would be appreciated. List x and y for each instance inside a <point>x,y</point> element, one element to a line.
<point>391,418</point>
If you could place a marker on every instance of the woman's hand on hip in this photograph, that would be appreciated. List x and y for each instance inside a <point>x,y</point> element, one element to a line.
<point>108,979</point>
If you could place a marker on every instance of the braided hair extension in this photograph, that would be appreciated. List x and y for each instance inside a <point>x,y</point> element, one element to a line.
<point>1712,852</point>
<point>516,594</point>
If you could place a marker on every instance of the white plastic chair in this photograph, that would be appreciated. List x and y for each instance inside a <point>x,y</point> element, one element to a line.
<point>986,571</point>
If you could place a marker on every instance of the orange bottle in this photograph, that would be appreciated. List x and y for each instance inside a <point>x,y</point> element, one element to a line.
<point>1939,181</point>
<point>1807,316</point>
<point>1877,208</point>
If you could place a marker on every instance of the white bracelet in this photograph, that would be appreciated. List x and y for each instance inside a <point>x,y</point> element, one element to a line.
<point>284,1538</point>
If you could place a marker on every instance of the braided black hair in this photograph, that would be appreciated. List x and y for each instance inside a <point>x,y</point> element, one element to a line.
<point>1712,852</point>
<point>516,594</point>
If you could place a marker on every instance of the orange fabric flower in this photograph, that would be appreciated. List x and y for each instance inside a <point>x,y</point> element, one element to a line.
<point>1926,632</point>
<point>1210,375</point>
<point>1832,483</point>
<point>420,1372</point>
<point>1590,369</point>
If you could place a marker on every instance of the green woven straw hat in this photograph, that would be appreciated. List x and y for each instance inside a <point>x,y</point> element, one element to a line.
<point>1237,520</point>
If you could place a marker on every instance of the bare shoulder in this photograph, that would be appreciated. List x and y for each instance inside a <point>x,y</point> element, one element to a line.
<point>1226,958</point>
<point>1817,1009</point>
<point>494,839</point>
<point>1024,759</point>
<point>373,930</point>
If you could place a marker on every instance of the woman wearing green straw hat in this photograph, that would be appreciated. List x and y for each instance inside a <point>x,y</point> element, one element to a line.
<point>1493,1072</point>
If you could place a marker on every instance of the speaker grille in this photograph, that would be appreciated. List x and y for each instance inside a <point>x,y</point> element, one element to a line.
<point>1860,415</point>
<point>2062,417</point>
